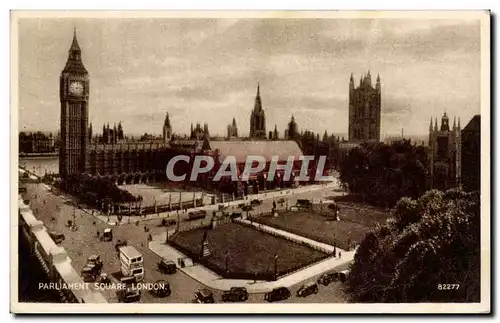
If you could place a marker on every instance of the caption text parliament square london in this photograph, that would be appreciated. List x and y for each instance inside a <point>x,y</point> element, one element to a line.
<point>329,162</point>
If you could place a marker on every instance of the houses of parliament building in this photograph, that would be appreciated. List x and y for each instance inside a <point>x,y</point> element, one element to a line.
<point>122,160</point>
<point>364,109</point>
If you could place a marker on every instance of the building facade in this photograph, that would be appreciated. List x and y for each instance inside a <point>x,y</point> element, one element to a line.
<point>364,109</point>
<point>74,92</point>
<point>36,143</point>
<point>258,119</point>
<point>471,155</point>
<point>232,130</point>
<point>445,153</point>
<point>167,130</point>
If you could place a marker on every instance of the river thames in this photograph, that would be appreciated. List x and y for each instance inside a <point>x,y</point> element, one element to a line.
<point>40,165</point>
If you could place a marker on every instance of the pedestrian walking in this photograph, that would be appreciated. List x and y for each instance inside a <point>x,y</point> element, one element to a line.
<point>340,254</point>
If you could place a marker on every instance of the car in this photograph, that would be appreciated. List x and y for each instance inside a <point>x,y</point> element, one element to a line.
<point>328,278</point>
<point>128,294</point>
<point>344,275</point>
<point>281,200</point>
<point>167,266</point>
<point>235,215</point>
<point>56,236</point>
<point>107,235</point>
<point>96,261</point>
<point>195,215</point>
<point>204,296</point>
<point>307,289</point>
<point>120,243</point>
<point>161,289</point>
<point>235,294</point>
<point>277,294</point>
<point>89,274</point>
<point>256,202</point>
<point>304,204</point>
<point>247,208</point>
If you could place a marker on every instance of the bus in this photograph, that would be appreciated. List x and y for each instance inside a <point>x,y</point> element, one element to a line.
<point>132,262</point>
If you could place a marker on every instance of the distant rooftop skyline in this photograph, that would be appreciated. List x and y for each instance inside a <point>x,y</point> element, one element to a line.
<point>207,70</point>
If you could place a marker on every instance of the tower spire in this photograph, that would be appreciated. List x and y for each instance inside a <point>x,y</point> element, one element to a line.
<point>74,44</point>
<point>258,101</point>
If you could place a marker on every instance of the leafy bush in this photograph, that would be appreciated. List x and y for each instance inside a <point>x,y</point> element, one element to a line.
<point>433,240</point>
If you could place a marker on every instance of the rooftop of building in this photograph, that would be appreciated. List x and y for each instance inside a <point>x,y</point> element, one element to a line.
<point>240,149</point>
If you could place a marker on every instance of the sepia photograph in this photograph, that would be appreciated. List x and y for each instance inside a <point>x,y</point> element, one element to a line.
<point>259,161</point>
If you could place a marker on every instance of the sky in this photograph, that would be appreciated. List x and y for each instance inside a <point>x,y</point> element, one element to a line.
<point>207,70</point>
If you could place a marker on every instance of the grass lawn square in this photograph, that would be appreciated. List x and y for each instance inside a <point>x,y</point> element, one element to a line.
<point>248,250</point>
<point>344,233</point>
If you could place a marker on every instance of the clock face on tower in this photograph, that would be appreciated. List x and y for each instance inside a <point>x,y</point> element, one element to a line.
<point>76,88</point>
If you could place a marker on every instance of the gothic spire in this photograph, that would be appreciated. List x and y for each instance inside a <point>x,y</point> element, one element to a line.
<point>74,62</point>
<point>258,101</point>
<point>74,45</point>
<point>167,120</point>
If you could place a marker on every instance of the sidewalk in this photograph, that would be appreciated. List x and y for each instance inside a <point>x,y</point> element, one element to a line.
<point>212,280</point>
<point>288,235</point>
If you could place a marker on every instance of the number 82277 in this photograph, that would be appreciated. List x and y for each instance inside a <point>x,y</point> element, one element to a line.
<point>448,286</point>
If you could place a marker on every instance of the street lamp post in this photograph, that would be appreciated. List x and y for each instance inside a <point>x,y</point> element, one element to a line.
<point>166,238</point>
<point>227,262</point>
<point>275,267</point>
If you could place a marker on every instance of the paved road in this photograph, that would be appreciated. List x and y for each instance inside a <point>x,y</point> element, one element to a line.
<point>54,211</point>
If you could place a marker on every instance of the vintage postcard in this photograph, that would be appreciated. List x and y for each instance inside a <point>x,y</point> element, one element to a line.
<point>257,162</point>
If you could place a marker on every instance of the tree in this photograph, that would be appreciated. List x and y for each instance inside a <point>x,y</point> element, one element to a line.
<point>431,241</point>
<point>381,174</point>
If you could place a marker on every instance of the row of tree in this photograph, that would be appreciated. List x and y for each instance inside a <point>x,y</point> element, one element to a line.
<point>381,174</point>
<point>94,190</point>
<point>430,252</point>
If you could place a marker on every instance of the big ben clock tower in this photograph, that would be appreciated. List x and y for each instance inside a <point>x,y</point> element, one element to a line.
<point>74,97</point>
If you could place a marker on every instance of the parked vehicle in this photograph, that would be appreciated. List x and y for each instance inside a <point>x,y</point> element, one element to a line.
<point>161,289</point>
<point>247,208</point>
<point>57,237</point>
<point>195,215</point>
<point>255,202</point>
<point>107,235</point>
<point>307,289</point>
<point>235,294</point>
<point>96,261</point>
<point>281,200</point>
<point>167,266</point>
<point>304,204</point>
<point>328,278</point>
<point>129,294</point>
<point>344,275</point>
<point>235,215</point>
<point>204,296</point>
<point>132,262</point>
<point>277,294</point>
<point>120,243</point>
<point>89,274</point>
